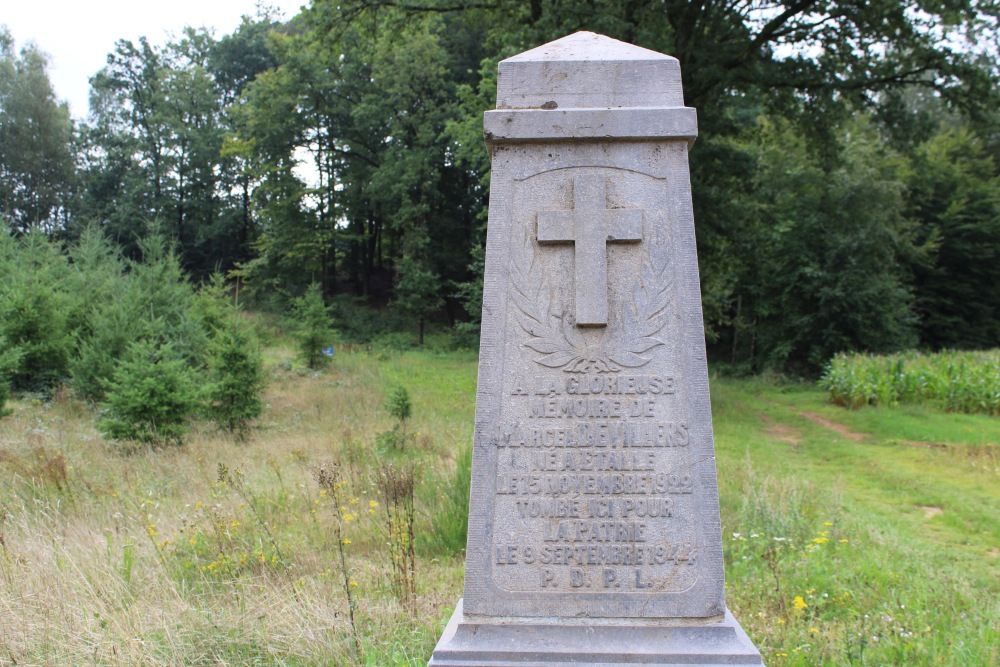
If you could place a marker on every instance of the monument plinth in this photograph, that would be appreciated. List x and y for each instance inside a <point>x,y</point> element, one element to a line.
<point>594,534</point>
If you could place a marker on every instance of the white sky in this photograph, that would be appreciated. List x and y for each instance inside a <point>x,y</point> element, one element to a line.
<point>79,34</point>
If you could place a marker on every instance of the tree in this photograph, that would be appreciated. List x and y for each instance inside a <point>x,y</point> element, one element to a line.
<point>829,253</point>
<point>36,165</point>
<point>418,288</point>
<point>151,396</point>
<point>954,198</point>
<point>236,378</point>
<point>38,311</point>
<point>8,360</point>
<point>368,104</point>
<point>157,150</point>
<point>235,367</point>
<point>313,330</point>
<point>813,63</point>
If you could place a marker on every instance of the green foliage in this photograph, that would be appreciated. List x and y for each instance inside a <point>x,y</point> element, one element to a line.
<point>9,358</point>
<point>447,532</point>
<point>154,150</point>
<point>235,367</point>
<point>823,255</point>
<point>236,378</point>
<point>151,396</point>
<point>4,395</point>
<point>398,404</point>
<point>399,407</point>
<point>846,195</point>
<point>954,199</point>
<point>313,327</point>
<point>37,310</point>
<point>148,300</point>
<point>36,163</point>
<point>955,381</point>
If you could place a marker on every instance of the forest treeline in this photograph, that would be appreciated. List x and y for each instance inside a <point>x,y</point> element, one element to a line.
<point>846,182</point>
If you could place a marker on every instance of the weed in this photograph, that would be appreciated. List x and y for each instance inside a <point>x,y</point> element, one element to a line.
<point>41,467</point>
<point>328,477</point>
<point>395,483</point>
<point>448,502</point>
<point>235,481</point>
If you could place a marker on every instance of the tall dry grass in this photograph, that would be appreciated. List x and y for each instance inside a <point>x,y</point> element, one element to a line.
<point>110,556</point>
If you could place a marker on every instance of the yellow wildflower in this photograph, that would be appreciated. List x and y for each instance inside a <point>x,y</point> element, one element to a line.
<point>799,603</point>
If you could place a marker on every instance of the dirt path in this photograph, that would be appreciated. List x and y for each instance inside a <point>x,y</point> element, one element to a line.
<point>834,426</point>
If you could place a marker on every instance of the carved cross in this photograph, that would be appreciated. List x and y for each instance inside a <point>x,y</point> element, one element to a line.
<point>590,226</point>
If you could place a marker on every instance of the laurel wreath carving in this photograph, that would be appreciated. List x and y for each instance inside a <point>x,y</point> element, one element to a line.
<point>630,334</point>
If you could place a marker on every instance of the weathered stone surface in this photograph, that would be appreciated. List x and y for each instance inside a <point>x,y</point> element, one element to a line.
<point>594,532</point>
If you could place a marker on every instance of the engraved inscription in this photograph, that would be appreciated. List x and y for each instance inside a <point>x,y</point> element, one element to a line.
<point>594,487</point>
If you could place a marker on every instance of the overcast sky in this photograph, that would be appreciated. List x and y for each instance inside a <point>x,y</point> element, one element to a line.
<point>78,34</point>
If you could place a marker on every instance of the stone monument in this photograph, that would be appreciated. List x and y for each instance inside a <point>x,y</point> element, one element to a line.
<point>594,534</point>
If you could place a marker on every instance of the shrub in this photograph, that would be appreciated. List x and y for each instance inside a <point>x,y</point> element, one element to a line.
<point>395,483</point>
<point>237,378</point>
<point>151,300</point>
<point>8,360</point>
<point>150,397</point>
<point>4,395</point>
<point>313,331</point>
<point>399,405</point>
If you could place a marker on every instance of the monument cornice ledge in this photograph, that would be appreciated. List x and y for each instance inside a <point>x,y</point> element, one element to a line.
<point>574,124</point>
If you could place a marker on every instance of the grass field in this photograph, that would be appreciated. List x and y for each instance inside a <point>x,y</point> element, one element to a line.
<point>866,537</point>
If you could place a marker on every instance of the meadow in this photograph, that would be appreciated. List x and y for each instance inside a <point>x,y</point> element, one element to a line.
<point>862,537</point>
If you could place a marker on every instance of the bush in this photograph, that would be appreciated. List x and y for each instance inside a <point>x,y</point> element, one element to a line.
<point>237,378</point>
<point>149,300</point>
<point>4,395</point>
<point>36,311</point>
<point>313,331</point>
<point>151,396</point>
<point>8,360</point>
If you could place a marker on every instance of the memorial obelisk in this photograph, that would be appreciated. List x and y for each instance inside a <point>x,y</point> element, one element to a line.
<point>594,534</point>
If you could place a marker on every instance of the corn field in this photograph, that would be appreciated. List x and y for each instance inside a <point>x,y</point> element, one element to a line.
<point>966,382</point>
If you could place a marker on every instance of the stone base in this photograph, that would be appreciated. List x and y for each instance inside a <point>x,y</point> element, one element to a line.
<point>486,643</point>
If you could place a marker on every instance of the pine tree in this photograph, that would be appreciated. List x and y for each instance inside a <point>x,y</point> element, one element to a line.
<point>151,396</point>
<point>313,330</point>
<point>237,378</point>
